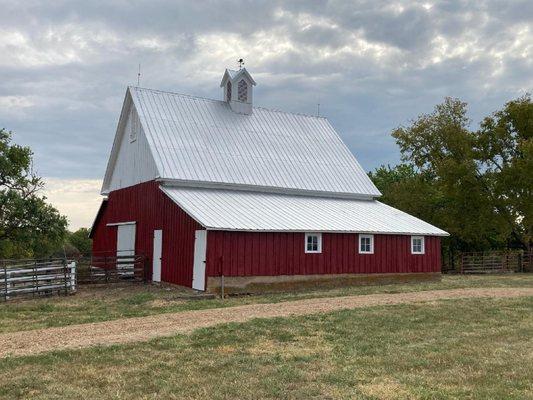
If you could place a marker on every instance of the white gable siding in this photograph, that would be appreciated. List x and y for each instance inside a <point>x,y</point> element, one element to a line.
<point>134,162</point>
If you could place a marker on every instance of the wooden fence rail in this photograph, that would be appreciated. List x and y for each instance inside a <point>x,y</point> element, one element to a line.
<point>36,277</point>
<point>495,262</point>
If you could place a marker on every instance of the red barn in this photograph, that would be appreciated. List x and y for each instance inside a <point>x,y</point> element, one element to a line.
<point>264,198</point>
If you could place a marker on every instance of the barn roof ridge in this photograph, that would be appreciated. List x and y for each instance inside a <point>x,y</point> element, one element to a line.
<point>222,101</point>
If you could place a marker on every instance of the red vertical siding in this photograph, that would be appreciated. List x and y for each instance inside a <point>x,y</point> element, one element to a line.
<point>248,254</point>
<point>151,209</point>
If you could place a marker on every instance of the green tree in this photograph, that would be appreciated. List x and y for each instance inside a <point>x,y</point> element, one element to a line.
<point>81,241</point>
<point>504,150</point>
<point>476,185</point>
<point>409,190</point>
<point>29,227</point>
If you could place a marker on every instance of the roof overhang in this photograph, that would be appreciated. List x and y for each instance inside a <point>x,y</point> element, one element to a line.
<point>99,214</point>
<point>238,210</point>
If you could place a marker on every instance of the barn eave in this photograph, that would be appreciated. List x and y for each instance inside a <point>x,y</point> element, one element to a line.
<point>237,210</point>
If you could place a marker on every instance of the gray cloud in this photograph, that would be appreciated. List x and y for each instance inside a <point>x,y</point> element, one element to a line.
<point>373,65</point>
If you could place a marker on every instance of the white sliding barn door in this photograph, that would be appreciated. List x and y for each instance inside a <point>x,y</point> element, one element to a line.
<point>156,259</point>
<point>200,247</point>
<point>125,245</point>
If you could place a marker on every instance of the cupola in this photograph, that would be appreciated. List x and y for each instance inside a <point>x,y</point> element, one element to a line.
<point>237,87</point>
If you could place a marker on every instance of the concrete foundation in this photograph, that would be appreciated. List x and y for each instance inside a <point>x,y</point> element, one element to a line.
<point>283,283</point>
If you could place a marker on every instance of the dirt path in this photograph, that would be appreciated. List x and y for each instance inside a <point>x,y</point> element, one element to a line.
<point>145,328</point>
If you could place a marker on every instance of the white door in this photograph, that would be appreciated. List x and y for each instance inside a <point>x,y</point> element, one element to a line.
<point>198,273</point>
<point>126,240</point>
<point>125,246</point>
<point>156,259</point>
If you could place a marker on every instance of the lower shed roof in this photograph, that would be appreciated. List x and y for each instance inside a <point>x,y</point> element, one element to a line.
<point>237,210</point>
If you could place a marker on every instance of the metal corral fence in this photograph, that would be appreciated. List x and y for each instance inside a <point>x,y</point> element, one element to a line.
<point>527,262</point>
<point>36,277</point>
<point>112,269</point>
<point>496,262</point>
<point>31,277</point>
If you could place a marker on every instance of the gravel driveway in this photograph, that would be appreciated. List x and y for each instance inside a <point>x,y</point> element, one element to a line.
<point>145,328</point>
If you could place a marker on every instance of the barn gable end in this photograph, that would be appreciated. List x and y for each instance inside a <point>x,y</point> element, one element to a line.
<point>131,160</point>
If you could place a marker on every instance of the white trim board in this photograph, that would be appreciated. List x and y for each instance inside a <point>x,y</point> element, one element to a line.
<point>180,183</point>
<point>121,223</point>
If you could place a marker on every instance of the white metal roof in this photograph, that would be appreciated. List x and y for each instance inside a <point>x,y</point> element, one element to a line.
<point>255,211</point>
<point>201,140</point>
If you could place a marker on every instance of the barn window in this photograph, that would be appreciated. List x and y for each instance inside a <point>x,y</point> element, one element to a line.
<point>417,245</point>
<point>243,91</point>
<point>366,244</point>
<point>228,91</point>
<point>313,243</point>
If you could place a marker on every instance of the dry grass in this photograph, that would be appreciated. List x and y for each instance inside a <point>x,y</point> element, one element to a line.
<point>95,304</point>
<point>472,349</point>
<point>138,329</point>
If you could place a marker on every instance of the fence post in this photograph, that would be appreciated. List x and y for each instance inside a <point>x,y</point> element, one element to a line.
<point>73,276</point>
<point>505,262</point>
<point>520,266</point>
<point>145,270</point>
<point>6,297</point>
<point>105,269</point>
<point>35,279</point>
<point>65,279</point>
<point>452,256</point>
<point>221,268</point>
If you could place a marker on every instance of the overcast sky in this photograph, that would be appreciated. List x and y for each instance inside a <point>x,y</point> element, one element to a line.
<point>372,65</point>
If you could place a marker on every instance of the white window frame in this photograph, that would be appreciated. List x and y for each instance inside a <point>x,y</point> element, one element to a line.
<point>422,246</point>
<point>319,242</point>
<point>371,237</point>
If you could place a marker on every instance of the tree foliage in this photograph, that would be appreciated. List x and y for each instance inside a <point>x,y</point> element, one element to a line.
<point>504,149</point>
<point>474,184</point>
<point>80,241</point>
<point>29,227</point>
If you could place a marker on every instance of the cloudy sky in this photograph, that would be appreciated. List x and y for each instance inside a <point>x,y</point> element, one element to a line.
<point>372,65</point>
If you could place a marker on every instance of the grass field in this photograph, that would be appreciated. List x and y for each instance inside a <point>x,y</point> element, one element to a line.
<point>473,349</point>
<point>93,304</point>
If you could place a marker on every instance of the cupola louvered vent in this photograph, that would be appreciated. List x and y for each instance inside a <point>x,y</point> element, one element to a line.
<point>243,91</point>
<point>228,91</point>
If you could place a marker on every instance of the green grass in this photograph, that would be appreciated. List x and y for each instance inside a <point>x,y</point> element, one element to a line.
<point>93,304</point>
<point>472,349</point>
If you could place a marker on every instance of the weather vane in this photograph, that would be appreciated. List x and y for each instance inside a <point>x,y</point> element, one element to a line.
<point>241,62</point>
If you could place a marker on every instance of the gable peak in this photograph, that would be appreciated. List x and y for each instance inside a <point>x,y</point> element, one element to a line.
<point>237,90</point>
